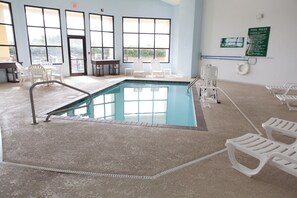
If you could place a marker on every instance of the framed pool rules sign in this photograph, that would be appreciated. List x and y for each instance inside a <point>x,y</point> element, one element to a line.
<point>257,41</point>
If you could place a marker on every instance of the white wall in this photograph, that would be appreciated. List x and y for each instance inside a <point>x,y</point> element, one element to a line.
<point>232,18</point>
<point>186,46</point>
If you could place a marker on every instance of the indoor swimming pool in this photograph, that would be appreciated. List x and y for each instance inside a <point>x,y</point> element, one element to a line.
<point>135,101</point>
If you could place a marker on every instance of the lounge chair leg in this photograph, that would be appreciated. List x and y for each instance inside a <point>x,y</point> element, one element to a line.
<point>241,168</point>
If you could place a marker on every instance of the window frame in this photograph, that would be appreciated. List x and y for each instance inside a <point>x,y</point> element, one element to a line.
<point>138,33</point>
<point>46,46</point>
<point>13,28</point>
<point>102,31</point>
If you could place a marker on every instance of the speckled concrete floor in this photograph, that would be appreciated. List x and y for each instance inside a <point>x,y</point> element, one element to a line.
<point>117,149</point>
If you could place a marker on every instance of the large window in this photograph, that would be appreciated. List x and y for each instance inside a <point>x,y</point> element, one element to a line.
<point>44,31</point>
<point>146,38</point>
<point>102,37</point>
<point>7,39</point>
<point>75,23</point>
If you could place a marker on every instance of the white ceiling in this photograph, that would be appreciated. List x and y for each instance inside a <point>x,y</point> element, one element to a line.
<point>172,2</point>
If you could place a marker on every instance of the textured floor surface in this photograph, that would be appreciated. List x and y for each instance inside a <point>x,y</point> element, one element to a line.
<point>123,150</point>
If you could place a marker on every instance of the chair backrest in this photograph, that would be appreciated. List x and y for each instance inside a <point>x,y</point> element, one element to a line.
<point>138,64</point>
<point>155,64</point>
<point>58,70</point>
<point>37,70</point>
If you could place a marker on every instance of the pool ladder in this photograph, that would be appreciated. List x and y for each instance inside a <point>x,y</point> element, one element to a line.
<point>58,111</point>
<point>193,82</point>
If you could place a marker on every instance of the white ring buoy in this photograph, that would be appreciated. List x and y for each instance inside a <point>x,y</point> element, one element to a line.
<point>243,69</point>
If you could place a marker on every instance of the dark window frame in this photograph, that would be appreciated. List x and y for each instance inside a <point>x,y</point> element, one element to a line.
<point>44,29</point>
<point>138,48</point>
<point>12,25</point>
<point>102,31</point>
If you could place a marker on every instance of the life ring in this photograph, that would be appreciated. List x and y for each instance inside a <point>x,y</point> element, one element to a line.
<point>243,69</point>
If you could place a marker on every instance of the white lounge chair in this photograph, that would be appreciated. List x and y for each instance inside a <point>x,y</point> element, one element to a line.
<point>278,89</point>
<point>265,150</point>
<point>57,73</point>
<point>156,69</point>
<point>284,127</point>
<point>288,99</point>
<point>138,68</point>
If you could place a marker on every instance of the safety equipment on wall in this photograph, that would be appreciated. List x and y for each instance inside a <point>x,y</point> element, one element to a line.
<point>243,69</point>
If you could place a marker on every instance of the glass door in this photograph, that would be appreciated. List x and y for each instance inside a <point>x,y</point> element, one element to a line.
<point>77,55</point>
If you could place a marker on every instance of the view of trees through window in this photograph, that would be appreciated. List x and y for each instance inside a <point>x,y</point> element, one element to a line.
<point>44,31</point>
<point>7,41</point>
<point>146,38</point>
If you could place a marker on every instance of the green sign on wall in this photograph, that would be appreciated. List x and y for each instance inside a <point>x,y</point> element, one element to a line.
<point>257,42</point>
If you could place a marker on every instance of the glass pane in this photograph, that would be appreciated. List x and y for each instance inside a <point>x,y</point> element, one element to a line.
<point>162,55</point>
<point>109,98</point>
<point>160,106</point>
<point>146,55</point>
<point>130,25</point>
<point>109,109</point>
<point>75,20</point>
<point>77,66</point>
<point>98,100</point>
<point>53,36</point>
<point>162,41</point>
<point>130,94</point>
<point>96,53</point>
<point>147,40</point>
<point>159,118</point>
<point>38,54</point>
<point>99,111</point>
<point>96,39</point>
<point>76,48</point>
<point>107,39</point>
<point>131,117</point>
<point>146,94</point>
<point>130,40</point>
<point>145,106</point>
<point>5,15</point>
<point>51,18</point>
<point>55,54</point>
<point>147,118</point>
<point>76,32</point>
<point>95,22</point>
<point>7,53</point>
<point>36,36</point>
<point>160,94</point>
<point>6,32</point>
<point>147,26</point>
<point>131,107</point>
<point>130,55</point>
<point>34,16</point>
<point>108,53</point>
<point>162,26</point>
<point>107,23</point>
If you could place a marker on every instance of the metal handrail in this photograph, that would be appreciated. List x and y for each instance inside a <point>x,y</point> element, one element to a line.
<point>193,82</point>
<point>58,111</point>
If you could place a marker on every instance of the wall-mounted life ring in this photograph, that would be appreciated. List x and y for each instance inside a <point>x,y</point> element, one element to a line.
<point>243,69</point>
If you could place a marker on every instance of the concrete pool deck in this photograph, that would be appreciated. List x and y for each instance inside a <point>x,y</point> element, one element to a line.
<point>118,151</point>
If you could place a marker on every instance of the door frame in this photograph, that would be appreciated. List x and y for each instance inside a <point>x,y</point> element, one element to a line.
<point>83,38</point>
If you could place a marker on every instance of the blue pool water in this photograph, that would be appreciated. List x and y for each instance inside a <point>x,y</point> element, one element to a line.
<point>140,101</point>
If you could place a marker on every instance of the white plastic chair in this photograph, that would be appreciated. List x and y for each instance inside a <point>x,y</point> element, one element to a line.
<point>156,69</point>
<point>22,72</point>
<point>57,73</point>
<point>37,73</point>
<point>138,68</point>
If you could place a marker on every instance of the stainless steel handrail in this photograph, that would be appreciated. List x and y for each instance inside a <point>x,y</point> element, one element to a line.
<point>193,82</point>
<point>58,111</point>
